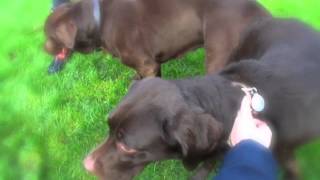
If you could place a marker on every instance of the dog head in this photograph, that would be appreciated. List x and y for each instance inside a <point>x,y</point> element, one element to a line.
<point>60,30</point>
<point>70,27</point>
<point>153,122</point>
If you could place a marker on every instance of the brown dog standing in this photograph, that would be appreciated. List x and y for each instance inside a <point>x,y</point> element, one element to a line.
<point>144,33</point>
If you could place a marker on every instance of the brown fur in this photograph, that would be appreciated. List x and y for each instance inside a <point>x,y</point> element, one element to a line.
<point>144,34</point>
<point>191,119</point>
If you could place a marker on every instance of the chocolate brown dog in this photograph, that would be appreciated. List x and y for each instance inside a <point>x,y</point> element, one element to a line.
<point>191,119</point>
<point>144,33</point>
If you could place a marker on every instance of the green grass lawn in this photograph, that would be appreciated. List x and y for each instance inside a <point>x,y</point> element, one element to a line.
<point>49,123</point>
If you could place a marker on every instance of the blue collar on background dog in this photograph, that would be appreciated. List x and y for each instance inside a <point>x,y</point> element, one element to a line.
<point>97,12</point>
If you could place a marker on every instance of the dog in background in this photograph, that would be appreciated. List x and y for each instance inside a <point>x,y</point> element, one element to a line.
<point>144,34</point>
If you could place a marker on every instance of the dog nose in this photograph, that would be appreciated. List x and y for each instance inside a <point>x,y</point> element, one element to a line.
<point>89,164</point>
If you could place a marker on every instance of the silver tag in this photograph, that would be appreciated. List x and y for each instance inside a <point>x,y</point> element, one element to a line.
<point>257,102</point>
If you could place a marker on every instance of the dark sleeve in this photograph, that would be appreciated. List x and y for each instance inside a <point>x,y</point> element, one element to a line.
<point>248,160</point>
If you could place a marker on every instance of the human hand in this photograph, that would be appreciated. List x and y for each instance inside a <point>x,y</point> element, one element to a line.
<point>248,127</point>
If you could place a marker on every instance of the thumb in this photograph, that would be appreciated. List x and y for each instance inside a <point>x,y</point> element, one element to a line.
<point>245,113</point>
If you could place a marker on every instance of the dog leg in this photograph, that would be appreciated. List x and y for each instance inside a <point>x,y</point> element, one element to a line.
<point>204,170</point>
<point>222,35</point>
<point>289,163</point>
<point>144,65</point>
<point>210,164</point>
<point>291,169</point>
<point>149,69</point>
<point>147,73</point>
<point>216,54</point>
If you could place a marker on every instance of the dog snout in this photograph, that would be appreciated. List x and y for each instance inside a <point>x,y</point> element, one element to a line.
<point>89,163</point>
<point>51,48</point>
<point>93,166</point>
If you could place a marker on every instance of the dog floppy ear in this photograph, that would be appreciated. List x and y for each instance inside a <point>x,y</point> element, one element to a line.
<point>197,135</point>
<point>66,33</point>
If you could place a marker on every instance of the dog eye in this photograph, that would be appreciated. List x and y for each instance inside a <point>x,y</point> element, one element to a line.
<point>120,134</point>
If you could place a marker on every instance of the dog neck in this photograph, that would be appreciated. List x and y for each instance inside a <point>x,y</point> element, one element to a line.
<point>95,31</point>
<point>215,95</point>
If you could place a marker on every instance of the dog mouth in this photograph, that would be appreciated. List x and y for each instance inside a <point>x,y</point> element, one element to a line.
<point>125,149</point>
<point>62,55</point>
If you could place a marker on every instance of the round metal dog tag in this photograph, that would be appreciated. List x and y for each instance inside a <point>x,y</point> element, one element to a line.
<point>257,102</point>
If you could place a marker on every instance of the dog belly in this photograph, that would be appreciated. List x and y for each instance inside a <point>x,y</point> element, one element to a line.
<point>177,52</point>
<point>182,34</point>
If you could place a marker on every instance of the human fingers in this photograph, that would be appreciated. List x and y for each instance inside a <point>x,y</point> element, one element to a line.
<point>262,133</point>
